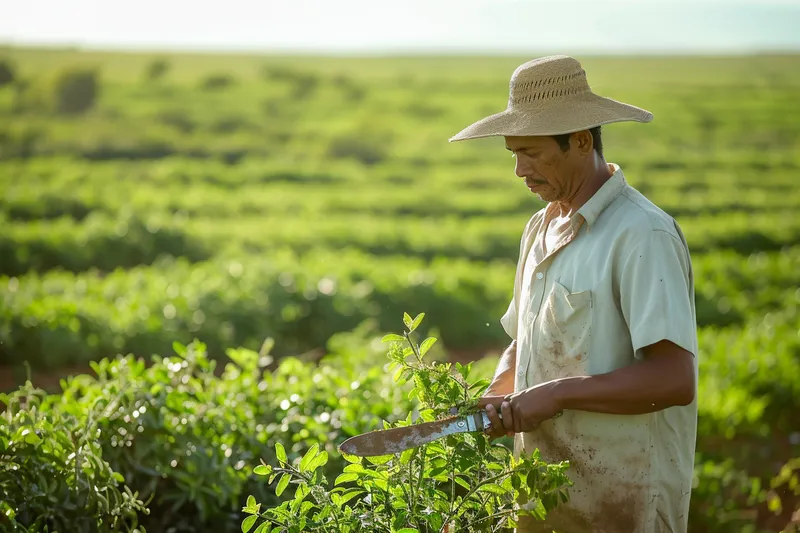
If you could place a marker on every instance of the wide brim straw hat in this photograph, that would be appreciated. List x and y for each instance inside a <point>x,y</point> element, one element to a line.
<point>551,96</point>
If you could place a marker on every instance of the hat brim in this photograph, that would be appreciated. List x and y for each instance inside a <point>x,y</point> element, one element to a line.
<point>565,116</point>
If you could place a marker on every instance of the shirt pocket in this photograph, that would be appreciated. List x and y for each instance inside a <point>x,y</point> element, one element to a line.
<point>565,326</point>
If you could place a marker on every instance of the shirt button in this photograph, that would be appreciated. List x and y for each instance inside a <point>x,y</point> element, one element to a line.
<point>539,275</point>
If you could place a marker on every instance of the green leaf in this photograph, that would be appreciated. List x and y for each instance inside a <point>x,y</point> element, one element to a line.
<point>262,470</point>
<point>417,321</point>
<point>31,438</point>
<point>492,488</point>
<point>248,522</point>
<point>408,530</point>
<point>380,459</point>
<point>393,337</point>
<point>350,494</point>
<point>308,457</point>
<point>251,501</point>
<point>281,453</point>
<point>179,348</point>
<point>346,478</point>
<point>426,345</point>
<point>407,320</point>
<point>119,477</point>
<point>318,461</point>
<point>282,484</point>
<point>355,459</point>
<point>263,528</point>
<point>406,456</point>
<point>461,482</point>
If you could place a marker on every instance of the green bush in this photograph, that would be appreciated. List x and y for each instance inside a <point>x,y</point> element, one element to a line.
<point>7,74</point>
<point>76,91</point>
<point>461,483</point>
<point>181,433</point>
<point>156,70</point>
<point>53,473</point>
<point>217,81</point>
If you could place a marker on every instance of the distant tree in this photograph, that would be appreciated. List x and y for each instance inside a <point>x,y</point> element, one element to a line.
<point>156,70</point>
<point>76,91</point>
<point>7,76</point>
<point>217,81</point>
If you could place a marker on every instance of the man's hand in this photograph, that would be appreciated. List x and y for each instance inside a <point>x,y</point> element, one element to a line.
<point>522,411</point>
<point>494,405</point>
<point>531,407</point>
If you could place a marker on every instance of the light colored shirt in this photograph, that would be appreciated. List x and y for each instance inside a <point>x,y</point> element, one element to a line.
<point>588,298</point>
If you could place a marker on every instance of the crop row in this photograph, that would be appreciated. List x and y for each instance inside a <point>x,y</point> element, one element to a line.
<point>62,318</point>
<point>126,240</point>
<point>31,200</point>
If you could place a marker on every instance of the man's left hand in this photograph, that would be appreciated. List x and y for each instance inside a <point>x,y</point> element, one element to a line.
<point>531,407</point>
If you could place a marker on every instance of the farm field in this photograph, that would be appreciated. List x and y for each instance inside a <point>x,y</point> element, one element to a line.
<point>312,201</point>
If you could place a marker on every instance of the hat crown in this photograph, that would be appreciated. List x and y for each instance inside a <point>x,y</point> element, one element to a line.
<point>546,78</point>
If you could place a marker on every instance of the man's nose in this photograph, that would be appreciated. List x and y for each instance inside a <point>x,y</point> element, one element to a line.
<point>522,168</point>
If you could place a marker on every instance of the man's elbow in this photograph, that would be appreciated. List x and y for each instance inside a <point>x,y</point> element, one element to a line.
<point>685,395</point>
<point>686,391</point>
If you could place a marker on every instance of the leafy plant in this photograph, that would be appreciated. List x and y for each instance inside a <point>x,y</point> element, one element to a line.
<point>53,476</point>
<point>460,483</point>
<point>76,91</point>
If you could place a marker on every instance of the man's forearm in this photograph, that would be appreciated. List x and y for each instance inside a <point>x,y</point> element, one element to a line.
<point>646,387</point>
<point>503,381</point>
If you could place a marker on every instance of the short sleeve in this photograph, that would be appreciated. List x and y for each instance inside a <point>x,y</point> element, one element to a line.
<point>657,293</point>
<point>509,320</point>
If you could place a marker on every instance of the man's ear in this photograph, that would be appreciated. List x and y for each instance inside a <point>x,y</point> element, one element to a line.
<point>583,142</point>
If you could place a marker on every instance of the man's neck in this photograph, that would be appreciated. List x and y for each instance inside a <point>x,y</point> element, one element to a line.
<point>597,176</point>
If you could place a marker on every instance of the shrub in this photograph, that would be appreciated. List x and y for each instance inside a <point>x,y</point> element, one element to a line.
<point>181,433</point>
<point>156,70</point>
<point>76,91</point>
<point>7,74</point>
<point>53,476</point>
<point>363,148</point>
<point>217,81</point>
<point>463,482</point>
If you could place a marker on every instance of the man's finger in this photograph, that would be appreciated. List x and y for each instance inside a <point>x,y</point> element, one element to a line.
<point>508,417</point>
<point>497,425</point>
<point>517,417</point>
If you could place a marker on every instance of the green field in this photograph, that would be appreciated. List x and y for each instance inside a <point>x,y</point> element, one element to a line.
<point>239,198</point>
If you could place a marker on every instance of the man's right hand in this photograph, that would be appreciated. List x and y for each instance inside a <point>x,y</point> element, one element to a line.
<point>495,407</point>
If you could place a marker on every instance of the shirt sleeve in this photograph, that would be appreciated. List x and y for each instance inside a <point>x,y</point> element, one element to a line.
<point>657,293</point>
<point>509,320</point>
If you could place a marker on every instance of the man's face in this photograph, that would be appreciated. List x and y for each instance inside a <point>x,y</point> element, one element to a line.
<point>549,172</point>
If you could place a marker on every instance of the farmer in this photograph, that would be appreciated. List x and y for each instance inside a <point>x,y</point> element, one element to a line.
<point>602,370</point>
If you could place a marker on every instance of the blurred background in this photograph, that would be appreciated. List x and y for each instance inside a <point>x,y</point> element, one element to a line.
<point>248,171</point>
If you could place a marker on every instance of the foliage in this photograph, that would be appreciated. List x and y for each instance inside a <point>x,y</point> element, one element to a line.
<point>7,73</point>
<point>460,483</point>
<point>156,70</point>
<point>53,474</point>
<point>180,433</point>
<point>76,91</point>
<point>334,173</point>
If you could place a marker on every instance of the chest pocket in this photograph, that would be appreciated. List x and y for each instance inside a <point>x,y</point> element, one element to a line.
<point>565,327</point>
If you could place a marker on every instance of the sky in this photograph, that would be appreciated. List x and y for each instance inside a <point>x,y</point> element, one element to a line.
<point>366,27</point>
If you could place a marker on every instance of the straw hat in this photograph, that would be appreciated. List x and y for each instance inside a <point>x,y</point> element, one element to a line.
<point>550,96</point>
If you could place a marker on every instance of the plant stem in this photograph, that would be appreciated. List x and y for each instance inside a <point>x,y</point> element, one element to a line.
<point>472,491</point>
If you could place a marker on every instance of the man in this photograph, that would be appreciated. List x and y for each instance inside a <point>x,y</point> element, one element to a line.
<point>602,367</point>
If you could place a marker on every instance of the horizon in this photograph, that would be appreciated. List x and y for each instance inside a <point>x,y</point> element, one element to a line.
<point>443,27</point>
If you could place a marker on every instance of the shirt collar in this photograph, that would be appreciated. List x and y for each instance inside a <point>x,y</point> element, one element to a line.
<point>604,196</point>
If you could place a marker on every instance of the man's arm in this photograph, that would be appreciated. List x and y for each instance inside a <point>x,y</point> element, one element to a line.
<point>503,381</point>
<point>665,378</point>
